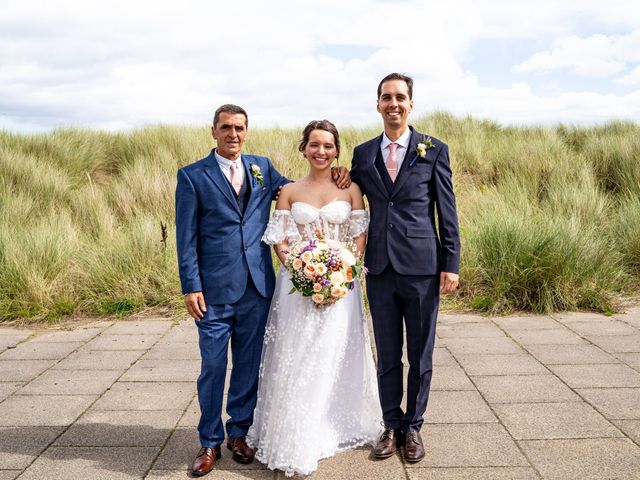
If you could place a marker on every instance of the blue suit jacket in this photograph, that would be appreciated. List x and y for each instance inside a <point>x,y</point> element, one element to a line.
<point>218,246</point>
<point>403,221</point>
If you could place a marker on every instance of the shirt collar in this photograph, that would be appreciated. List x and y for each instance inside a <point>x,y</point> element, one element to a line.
<point>403,141</point>
<point>225,161</point>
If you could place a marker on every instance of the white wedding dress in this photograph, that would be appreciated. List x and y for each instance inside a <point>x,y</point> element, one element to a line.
<point>317,393</point>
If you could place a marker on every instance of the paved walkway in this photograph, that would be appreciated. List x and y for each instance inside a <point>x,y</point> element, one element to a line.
<point>518,397</point>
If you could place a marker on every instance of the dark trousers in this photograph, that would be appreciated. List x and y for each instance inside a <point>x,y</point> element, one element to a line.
<point>414,299</point>
<point>243,323</point>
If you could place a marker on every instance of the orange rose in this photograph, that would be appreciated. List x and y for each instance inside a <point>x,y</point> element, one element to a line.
<point>309,270</point>
<point>317,287</point>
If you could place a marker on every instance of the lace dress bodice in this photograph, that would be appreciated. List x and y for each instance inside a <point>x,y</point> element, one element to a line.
<point>335,220</point>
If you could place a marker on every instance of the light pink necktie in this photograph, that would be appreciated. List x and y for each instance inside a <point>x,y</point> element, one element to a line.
<point>236,178</point>
<point>392,162</point>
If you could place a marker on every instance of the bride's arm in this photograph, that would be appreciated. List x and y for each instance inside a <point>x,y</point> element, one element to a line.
<point>357,203</point>
<point>283,203</point>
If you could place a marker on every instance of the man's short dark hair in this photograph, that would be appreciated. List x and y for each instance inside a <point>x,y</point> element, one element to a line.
<point>230,108</point>
<point>397,76</point>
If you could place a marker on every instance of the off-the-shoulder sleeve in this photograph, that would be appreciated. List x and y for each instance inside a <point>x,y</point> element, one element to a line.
<point>281,227</point>
<point>358,223</point>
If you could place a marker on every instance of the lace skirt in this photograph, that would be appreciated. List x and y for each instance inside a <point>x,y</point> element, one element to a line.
<point>317,393</point>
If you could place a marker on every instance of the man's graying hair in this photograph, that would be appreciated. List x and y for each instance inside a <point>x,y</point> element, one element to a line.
<point>230,108</point>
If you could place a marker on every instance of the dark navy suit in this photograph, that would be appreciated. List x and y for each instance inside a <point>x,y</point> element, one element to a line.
<point>220,253</point>
<point>405,255</point>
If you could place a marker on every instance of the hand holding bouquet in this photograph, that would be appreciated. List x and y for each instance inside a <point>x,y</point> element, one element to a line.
<point>324,270</point>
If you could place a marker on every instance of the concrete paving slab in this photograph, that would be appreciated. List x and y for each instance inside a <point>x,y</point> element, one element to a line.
<point>23,370</point>
<point>80,334</point>
<point>631,316</point>
<point>604,375</point>
<point>539,421</point>
<point>529,322</point>
<point>563,317</point>
<point>180,334</point>
<point>491,345</point>
<point>108,463</point>
<point>85,359</point>
<point>458,407</point>
<point>556,336</point>
<point>122,342</point>
<point>7,388</point>
<point>631,428</point>
<point>441,356</point>
<point>147,396</point>
<point>19,446</point>
<point>44,410</point>
<point>191,416</point>
<point>584,459</point>
<point>139,327</point>
<point>469,330</point>
<point>449,318</point>
<point>617,344</point>
<point>100,428</point>
<point>228,475</point>
<point>449,377</point>
<point>10,341</point>
<point>468,445</point>
<point>524,389</point>
<point>614,403</point>
<point>176,351</point>
<point>631,359</point>
<point>9,474</point>
<point>612,327</point>
<point>479,473</point>
<point>577,354</point>
<point>163,370</point>
<point>71,382</point>
<point>341,467</point>
<point>506,364</point>
<point>40,351</point>
<point>182,448</point>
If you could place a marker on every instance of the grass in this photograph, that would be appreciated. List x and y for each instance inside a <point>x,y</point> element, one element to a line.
<point>550,217</point>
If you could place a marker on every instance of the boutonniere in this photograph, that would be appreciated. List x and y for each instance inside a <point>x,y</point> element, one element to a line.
<point>421,149</point>
<point>257,174</point>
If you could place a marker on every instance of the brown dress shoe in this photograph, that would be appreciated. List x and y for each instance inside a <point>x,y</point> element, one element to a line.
<point>242,453</point>
<point>413,448</point>
<point>205,460</point>
<point>386,445</point>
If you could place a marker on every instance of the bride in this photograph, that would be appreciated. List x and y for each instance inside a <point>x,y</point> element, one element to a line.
<point>317,391</point>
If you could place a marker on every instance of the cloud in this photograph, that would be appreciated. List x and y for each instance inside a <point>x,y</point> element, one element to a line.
<point>122,64</point>
<point>595,56</point>
<point>631,78</point>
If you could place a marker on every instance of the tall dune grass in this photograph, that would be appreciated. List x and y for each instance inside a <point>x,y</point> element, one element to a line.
<point>550,217</point>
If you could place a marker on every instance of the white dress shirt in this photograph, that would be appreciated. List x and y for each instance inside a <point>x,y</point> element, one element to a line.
<point>401,151</point>
<point>225,166</point>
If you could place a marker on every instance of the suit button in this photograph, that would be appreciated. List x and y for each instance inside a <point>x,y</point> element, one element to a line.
<point>391,225</point>
<point>246,248</point>
<point>391,204</point>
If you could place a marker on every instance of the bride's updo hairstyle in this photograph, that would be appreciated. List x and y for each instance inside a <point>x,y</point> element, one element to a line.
<point>325,125</point>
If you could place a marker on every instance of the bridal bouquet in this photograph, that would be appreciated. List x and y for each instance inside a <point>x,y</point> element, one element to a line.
<point>324,270</point>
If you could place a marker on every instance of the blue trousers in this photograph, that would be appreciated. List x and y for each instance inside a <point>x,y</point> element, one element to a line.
<point>396,302</point>
<point>243,323</point>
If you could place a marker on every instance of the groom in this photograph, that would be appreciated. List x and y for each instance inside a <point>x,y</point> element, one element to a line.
<point>222,209</point>
<point>407,179</point>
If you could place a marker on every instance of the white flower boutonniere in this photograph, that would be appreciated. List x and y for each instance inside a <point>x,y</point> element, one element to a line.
<point>257,174</point>
<point>423,146</point>
<point>421,149</point>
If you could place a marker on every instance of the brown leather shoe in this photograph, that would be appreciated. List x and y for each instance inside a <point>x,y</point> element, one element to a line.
<point>413,448</point>
<point>242,453</point>
<point>386,445</point>
<point>205,460</point>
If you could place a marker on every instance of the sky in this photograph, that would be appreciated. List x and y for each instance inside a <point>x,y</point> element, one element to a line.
<point>116,65</point>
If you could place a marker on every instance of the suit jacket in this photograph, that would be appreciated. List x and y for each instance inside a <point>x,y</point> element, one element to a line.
<point>219,246</point>
<point>403,221</point>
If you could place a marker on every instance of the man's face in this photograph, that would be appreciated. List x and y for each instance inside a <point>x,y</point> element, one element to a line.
<point>394,104</point>
<point>230,132</point>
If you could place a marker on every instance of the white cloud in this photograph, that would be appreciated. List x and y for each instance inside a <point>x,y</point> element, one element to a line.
<point>595,56</point>
<point>122,64</point>
<point>631,78</point>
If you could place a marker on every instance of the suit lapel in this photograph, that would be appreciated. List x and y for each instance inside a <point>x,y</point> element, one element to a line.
<point>370,167</point>
<point>252,185</point>
<point>409,159</point>
<point>212,169</point>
